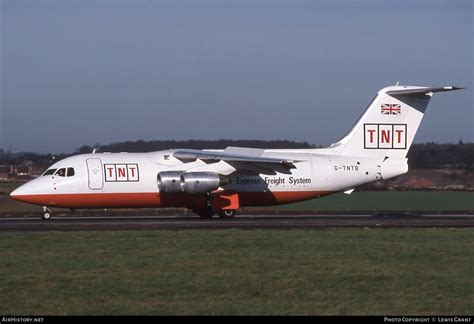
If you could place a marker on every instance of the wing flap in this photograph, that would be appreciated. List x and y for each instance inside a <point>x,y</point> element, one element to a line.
<point>216,156</point>
<point>232,154</point>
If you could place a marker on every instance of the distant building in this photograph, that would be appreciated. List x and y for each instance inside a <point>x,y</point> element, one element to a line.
<point>24,168</point>
<point>6,171</point>
<point>37,170</point>
<point>416,182</point>
<point>22,171</point>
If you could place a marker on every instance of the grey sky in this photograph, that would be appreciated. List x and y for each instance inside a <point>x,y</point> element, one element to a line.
<point>81,72</point>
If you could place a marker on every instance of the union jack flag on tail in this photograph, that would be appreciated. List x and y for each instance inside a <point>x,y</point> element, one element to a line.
<point>391,109</point>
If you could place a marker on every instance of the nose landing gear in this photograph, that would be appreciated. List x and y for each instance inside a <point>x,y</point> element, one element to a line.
<point>46,213</point>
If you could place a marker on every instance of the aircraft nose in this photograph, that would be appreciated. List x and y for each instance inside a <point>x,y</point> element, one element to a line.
<point>28,193</point>
<point>21,193</point>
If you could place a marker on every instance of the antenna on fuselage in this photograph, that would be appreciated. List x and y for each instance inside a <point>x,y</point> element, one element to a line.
<point>93,151</point>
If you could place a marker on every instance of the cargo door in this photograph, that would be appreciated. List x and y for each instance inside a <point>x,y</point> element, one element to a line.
<point>94,171</point>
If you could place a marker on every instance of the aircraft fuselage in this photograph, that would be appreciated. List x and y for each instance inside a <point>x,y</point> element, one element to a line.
<point>118,180</point>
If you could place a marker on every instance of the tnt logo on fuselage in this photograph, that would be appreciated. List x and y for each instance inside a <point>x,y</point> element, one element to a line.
<point>121,172</point>
<point>385,136</point>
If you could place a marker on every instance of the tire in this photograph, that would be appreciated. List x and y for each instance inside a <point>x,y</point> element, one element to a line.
<point>226,214</point>
<point>46,216</point>
<point>204,213</point>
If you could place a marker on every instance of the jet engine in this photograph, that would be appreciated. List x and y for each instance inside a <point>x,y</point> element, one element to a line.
<point>169,181</point>
<point>201,182</point>
<point>189,182</point>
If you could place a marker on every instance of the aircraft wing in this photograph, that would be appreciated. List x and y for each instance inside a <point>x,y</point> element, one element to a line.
<point>234,155</point>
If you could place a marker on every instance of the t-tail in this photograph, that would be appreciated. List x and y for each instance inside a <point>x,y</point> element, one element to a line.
<point>388,126</point>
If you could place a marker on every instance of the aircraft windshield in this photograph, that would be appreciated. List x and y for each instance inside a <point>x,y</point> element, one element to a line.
<point>61,172</point>
<point>49,172</point>
<point>64,172</point>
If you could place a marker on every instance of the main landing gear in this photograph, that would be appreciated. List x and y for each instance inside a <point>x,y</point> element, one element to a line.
<point>46,214</point>
<point>208,211</point>
<point>204,213</point>
<point>226,214</point>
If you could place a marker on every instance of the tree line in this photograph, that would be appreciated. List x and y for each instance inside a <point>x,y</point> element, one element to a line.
<point>420,156</point>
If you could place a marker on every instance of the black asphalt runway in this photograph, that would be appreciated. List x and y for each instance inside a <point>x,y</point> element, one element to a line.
<point>117,223</point>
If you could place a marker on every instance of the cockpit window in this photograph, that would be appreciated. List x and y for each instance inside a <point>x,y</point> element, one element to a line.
<point>49,172</point>
<point>70,172</point>
<point>61,172</point>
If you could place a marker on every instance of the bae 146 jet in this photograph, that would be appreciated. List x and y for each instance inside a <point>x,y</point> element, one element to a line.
<point>222,181</point>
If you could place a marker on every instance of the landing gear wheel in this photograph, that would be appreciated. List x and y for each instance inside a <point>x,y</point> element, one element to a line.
<point>46,214</point>
<point>226,214</point>
<point>204,213</point>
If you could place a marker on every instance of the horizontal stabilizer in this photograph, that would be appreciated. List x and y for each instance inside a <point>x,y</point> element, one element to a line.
<point>422,90</point>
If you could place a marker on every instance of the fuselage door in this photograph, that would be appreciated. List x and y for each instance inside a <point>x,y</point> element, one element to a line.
<point>94,171</point>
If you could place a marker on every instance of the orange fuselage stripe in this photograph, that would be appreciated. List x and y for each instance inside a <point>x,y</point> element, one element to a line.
<point>153,199</point>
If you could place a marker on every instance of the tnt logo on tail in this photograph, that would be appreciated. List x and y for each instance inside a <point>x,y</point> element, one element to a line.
<point>385,136</point>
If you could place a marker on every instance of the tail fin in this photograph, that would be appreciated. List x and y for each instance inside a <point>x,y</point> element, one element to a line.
<point>389,124</point>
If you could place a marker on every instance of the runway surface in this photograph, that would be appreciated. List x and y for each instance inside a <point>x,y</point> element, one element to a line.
<point>89,223</point>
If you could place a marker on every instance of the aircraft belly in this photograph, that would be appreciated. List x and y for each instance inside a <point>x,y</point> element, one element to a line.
<point>155,199</point>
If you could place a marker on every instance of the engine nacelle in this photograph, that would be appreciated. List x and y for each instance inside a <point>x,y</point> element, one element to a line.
<point>169,181</point>
<point>201,182</point>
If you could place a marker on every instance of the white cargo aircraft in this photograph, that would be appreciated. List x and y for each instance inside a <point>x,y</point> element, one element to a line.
<point>222,181</point>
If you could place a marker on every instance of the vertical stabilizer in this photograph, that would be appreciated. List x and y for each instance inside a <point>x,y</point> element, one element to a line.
<point>389,124</point>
